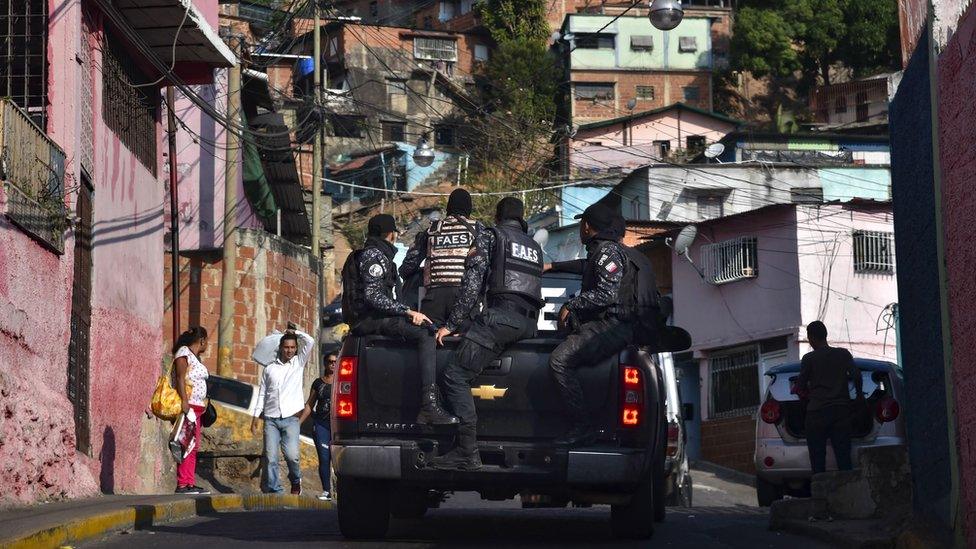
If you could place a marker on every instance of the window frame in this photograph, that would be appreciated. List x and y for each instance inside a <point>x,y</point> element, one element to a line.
<point>440,129</point>
<point>731,260</point>
<point>388,133</point>
<point>595,41</point>
<point>644,97</point>
<point>871,256</point>
<point>611,86</point>
<point>700,147</point>
<point>423,51</point>
<point>710,200</point>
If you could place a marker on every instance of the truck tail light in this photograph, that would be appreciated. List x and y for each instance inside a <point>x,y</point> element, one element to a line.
<point>887,410</point>
<point>673,435</point>
<point>631,397</point>
<point>344,397</point>
<point>771,411</point>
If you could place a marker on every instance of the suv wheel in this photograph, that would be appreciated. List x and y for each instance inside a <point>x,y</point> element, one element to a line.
<point>409,504</point>
<point>767,492</point>
<point>363,508</point>
<point>633,521</point>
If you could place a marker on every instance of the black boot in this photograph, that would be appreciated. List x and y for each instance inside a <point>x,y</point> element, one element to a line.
<point>581,434</point>
<point>463,458</point>
<point>431,412</point>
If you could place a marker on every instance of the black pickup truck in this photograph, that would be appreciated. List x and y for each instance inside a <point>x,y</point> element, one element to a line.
<point>380,455</point>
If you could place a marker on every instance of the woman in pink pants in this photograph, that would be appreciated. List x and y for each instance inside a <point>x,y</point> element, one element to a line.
<point>188,348</point>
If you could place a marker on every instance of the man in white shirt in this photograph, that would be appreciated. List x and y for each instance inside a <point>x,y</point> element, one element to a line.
<point>281,399</point>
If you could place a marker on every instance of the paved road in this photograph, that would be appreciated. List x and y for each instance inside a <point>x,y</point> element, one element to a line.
<point>724,517</point>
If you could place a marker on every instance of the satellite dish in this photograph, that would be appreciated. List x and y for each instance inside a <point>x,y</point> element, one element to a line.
<point>684,240</point>
<point>632,104</point>
<point>714,150</point>
<point>541,237</point>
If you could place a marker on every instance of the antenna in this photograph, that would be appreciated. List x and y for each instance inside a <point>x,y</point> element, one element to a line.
<point>714,150</point>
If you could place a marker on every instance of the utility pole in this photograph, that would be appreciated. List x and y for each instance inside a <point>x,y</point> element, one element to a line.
<point>317,147</point>
<point>228,282</point>
<point>174,218</point>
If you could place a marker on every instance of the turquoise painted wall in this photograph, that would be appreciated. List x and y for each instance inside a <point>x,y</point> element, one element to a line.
<point>665,53</point>
<point>847,183</point>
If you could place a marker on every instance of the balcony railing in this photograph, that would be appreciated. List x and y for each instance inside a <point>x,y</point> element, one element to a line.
<point>32,169</point>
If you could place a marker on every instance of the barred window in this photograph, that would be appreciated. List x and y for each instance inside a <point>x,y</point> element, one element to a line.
<point>873,252</point>
<point>594,91</point>
<point>731,260</point>
<point>23,59</point>
<point>645,92</point>
<point>129,112</point>
<point>734,380</point>
<point>435,49</point>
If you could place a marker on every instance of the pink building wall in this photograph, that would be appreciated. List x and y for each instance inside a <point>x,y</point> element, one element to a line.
<point>957,115</point>
<point>631,144</point>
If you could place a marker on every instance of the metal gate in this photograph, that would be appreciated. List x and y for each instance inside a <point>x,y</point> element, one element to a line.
<point>78,349</point>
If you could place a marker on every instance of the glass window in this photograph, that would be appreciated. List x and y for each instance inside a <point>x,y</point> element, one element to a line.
<point>734,383</point>
<point>594,91</point>
<point>445,135</point>
<point>593,41</point>
<point>394,131</point>
<point>435,49</point>
<point>691,93</point>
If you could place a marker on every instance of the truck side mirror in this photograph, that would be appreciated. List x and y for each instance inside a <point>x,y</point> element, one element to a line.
<point>688,411</point>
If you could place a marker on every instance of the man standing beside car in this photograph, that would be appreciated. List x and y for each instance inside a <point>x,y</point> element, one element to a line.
<point>824,376</point>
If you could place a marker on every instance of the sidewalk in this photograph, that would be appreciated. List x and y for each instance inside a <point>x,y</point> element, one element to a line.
<point>56,524</point>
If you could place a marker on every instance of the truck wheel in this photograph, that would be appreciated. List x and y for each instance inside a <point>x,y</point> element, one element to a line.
<point>409,504</point>
<point>363,508</point>
<point>767,492</point>
<point>660,501</point>
<point>636,519</point>
<point>684,498</point>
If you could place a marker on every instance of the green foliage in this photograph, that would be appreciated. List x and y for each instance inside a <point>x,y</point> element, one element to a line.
<point>777,38</point>
<point>511,19</point>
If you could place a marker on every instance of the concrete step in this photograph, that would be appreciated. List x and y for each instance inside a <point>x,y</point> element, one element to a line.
<point>795,509</point>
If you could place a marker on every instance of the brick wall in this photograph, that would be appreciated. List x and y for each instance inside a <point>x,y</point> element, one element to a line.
<point>668,89</point>
<point>276,283</point>
<point>730,442</point>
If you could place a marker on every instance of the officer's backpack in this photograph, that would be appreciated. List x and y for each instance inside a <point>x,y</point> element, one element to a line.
<point>641,283</point>
<point>351,290</point>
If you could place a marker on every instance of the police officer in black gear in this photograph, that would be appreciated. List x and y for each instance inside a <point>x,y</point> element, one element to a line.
<point>379,313</point>
<point>602,324</point>
<point>443,249</point>
<point>508,263</point>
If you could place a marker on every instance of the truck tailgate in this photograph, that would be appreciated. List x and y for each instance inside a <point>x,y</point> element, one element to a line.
<point>517,397</point>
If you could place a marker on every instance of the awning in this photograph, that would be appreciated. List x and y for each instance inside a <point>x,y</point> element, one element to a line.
<point>157,22</point>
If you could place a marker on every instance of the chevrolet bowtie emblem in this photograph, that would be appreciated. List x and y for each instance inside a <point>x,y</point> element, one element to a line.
<point>488,392</point>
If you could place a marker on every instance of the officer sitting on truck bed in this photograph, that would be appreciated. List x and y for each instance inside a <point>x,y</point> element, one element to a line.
<point>443,249</point>
<point>602,327</point>
<point>374,309</point>
<point>508,263</point>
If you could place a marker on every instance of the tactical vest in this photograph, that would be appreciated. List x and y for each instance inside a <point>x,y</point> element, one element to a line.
<point>623,307</point>
<point>448,243</point>
<point>516,267</point>
<point>354,305</point>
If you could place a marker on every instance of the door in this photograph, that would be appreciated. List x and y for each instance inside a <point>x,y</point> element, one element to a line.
<point>689,388</point>
<point>79,346</point>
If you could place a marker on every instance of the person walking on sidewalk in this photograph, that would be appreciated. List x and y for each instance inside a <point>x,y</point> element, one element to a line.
<point>319,406</point>
<point>281,400</point>
<point>824,376</point>
<point>187,350</point>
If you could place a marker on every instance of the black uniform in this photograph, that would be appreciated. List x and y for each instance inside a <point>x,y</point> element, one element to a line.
<point>508,263</point>
<point>442,249</point>
<point>381,313</point>
<point>603,325</point>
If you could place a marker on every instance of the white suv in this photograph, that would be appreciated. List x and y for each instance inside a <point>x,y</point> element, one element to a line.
<point>782,460</point>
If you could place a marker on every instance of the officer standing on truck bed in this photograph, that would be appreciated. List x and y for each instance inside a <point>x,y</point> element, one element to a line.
<point>601,316</point>
<point>443,249</point>
<point>508,263</point>
<point>370,284</point>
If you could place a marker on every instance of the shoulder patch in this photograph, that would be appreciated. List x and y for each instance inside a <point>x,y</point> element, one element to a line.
<point>376,270</point>
<point>611,266</point>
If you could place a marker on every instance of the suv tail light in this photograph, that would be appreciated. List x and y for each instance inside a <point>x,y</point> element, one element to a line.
<point>887,410</point>
<point>771,411</point>
<point>673,435</point>
<point>631,397</point>
<point>344,400</point>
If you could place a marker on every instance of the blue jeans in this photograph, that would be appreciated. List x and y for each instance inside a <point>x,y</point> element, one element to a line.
<point>280,433</point>
<point>323,438</point>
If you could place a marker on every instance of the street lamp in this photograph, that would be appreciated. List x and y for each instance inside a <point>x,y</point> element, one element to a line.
<point>666,14</point>
<point>423,155</point>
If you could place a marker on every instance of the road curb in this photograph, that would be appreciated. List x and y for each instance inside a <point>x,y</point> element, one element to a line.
<point>139,517</point>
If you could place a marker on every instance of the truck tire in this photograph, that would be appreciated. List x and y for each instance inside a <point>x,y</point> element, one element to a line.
<point>636,519</point>
<point>767,492</point>
<point>409,504</point>
<point>363,508</point>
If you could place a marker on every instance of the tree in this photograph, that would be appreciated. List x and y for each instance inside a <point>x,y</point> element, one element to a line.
<point>779,37</point>
<point>508,19</point>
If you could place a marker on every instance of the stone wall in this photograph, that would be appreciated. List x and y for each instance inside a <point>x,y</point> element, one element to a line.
<point>730,442</point>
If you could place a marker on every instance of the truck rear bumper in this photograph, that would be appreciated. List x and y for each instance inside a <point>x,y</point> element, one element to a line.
<point>596,467</point>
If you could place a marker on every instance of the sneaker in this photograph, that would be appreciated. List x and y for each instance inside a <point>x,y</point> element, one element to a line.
<point>200,490</point>
<point>325,496</point>
<point>184,490</point>
<point>296,488</point>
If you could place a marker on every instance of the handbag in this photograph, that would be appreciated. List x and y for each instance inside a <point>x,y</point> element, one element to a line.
<point>209,416</point>
<point>166,402</point>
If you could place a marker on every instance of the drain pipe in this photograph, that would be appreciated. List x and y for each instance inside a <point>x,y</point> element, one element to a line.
<point>174,219</point>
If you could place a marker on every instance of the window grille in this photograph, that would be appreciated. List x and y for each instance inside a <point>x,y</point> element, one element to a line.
<point>731,260</point>
<point>594,91</point>
<point>129,112</point>
<point>87,98</point>
<point>23,60</point>
<point>435,49</point>
<point>645,92</point>
<point>873,252</point>
<point>734,383</point>
<point>394,131</point>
